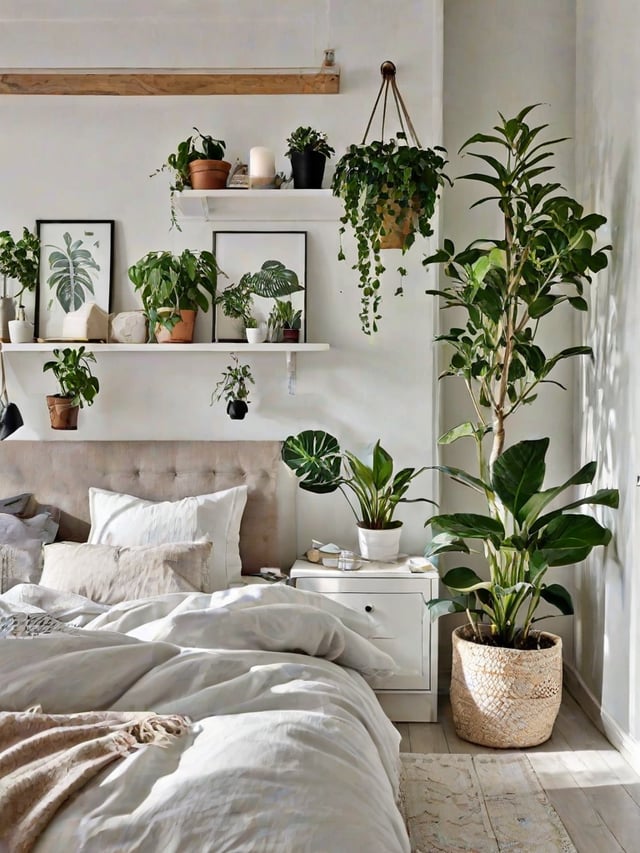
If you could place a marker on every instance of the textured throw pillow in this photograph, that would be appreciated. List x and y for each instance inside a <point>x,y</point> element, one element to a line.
<point>110,574</point>
<point>21,542</point>
<point>118,519</point>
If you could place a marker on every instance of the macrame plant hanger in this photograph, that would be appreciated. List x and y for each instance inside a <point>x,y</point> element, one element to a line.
<point>388,71</point>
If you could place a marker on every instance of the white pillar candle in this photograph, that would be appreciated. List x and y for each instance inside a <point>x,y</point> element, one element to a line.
<point>262,163</point>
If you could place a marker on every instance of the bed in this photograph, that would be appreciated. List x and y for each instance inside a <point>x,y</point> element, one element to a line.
<point>287,748</point>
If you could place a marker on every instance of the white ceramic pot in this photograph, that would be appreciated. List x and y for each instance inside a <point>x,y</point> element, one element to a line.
<point>379,544</point>
<point>257,335</point>
<point>20,331</point>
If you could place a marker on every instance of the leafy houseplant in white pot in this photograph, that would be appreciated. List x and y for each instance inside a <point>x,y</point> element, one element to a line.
<point>19,260</point>
<point>507,676</point>
<point>78,385</point>
<point>322,467</point>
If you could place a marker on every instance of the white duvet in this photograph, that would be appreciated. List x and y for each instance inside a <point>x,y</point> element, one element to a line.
<point>289,750</point>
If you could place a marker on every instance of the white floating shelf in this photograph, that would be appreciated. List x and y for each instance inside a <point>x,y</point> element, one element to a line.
<point>229,346</point>
<point>252,205</point>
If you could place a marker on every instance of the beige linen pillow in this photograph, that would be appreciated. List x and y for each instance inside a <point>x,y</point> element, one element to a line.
<point>110,574</point>
<point>120,519</point>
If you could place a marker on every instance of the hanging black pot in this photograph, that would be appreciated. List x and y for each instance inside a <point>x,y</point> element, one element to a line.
<point>308,169</point>
<point>237,409</point>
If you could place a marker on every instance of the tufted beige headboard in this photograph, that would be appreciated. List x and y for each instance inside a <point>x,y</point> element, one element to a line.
<point>60,473</point>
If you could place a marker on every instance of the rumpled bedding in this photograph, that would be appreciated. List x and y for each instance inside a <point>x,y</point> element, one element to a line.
<point>289,749</point>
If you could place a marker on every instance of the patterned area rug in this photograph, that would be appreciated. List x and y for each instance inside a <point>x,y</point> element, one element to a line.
<point>478,804</point>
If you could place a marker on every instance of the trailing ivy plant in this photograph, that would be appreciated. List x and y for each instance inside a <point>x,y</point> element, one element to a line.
<point>378,180</point>
<point>20,259</point>
<point>502,290</point>
<point>234,382</point>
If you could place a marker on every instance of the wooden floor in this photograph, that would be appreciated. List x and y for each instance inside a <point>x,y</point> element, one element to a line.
<point>592,788</point>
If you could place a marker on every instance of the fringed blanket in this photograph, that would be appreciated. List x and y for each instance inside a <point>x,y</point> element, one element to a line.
<point>45,758</point>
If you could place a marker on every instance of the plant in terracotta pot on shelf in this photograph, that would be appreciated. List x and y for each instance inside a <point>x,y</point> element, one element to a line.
<point>173,288</point>
<point>19,260</point>
<point>233,387</point>
<point>198,163</point>
<point>308,150</point>
<point>321,466</point>
<point>507,675</point>
<point>78,386</point>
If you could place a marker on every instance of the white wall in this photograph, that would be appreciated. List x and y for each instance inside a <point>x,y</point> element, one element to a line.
<point>608,174</point>
<point>501,55</point>
<point>77,157</point>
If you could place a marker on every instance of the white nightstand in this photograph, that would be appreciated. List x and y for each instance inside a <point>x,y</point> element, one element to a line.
<point>396,599</point>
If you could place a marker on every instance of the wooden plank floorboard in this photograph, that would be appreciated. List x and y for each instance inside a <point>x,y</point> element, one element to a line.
<point>595,792</point>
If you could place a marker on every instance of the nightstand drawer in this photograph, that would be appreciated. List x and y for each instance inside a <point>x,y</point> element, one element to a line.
<point>401,629</point>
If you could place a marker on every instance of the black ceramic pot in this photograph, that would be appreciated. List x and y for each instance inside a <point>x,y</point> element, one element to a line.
<point>237,409</point>
<point>308,169</point>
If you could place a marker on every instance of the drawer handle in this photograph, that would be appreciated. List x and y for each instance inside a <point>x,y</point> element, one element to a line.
<point>369,608</point>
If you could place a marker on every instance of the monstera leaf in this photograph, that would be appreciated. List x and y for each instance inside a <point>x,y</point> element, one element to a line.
<point>272,281</point>
<point>314,456</point>
<point>71,267</point>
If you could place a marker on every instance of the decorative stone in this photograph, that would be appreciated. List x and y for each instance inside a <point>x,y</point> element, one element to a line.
<point>88,323</point>
<point>128,327</point>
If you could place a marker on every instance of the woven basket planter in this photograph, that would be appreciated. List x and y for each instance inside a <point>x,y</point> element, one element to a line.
<point>505,698</point>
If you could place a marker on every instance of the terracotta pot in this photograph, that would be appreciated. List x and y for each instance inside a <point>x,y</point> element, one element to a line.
<point>209,174</point>
<point>396,233</point>
<point>505,698</point>
<point>62,413</point>
<point>182,332</point>
<point>290,336</point>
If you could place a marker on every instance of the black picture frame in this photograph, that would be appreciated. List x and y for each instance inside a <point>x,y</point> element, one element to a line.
<point>56,296</point>
<point>238,252</point>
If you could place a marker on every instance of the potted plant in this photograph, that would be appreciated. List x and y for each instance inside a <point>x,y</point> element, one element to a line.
<point>271,281</point>
<point>308,150</point>
<point>389,192</point>
<point>321,466</point>
<point>507,676</point>
<point>78,385</point>
<point>19,260</point>
<point>233,388</point>
<point>284,322</point>
<point>172,289</point>
<point>198,163</point>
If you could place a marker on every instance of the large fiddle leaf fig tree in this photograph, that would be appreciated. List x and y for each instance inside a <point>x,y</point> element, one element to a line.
<point>502,290</point>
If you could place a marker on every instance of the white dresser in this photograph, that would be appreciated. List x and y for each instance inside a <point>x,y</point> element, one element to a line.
<point>396,599</point>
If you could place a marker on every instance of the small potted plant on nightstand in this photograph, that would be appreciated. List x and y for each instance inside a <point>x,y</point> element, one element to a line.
<point>317,460</point>
<point>233,388</point>
<point>197,164</point>
<point>78,386</point>
<point>173,288</point>
<point>308,151</point>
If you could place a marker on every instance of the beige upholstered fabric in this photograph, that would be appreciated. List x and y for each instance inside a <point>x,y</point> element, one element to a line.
<point>60,473</point>
<point>111,574</point>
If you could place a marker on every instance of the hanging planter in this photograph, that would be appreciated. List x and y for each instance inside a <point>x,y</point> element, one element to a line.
<point>78,386</point>
<point>233,387</point>
<point>389,191</point>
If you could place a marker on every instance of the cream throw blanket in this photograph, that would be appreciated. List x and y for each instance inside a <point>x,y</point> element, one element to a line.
<point>45,758</point>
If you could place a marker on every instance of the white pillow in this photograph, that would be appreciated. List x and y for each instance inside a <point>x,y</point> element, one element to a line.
<point>114,573</point>
<point>118,519</point>
<point>21,543</point>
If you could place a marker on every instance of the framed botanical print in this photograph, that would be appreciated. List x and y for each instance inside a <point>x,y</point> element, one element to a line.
<point>76,262</point>
<point>264,270</point>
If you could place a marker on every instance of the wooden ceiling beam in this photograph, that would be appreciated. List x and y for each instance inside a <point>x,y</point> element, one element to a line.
<point>170,82</point>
